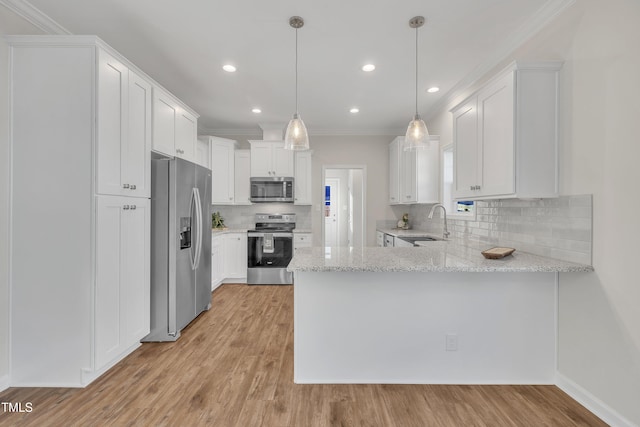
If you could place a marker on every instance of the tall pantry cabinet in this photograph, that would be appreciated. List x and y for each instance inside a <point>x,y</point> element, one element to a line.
<point>80,221</point>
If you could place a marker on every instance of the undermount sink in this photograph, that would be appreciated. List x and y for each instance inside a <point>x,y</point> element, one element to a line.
<point>414,240</point>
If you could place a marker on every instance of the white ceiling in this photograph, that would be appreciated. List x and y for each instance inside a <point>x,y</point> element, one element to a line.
<point>183,45</point>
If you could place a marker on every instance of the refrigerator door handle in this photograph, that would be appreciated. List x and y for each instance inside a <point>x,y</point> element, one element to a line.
<point>194,222</point>
<point>200,229</point>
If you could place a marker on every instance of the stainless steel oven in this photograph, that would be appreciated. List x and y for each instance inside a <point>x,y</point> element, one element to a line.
<point>270,249</point>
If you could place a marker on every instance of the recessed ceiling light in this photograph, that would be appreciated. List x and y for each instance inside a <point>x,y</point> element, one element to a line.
<point>354,110</point>
<point>229,68</point>
<point>368,67</point>
<point>433,89</point>
<point>256,110</point>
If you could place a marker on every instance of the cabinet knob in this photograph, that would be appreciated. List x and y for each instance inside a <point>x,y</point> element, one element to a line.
<point>125,185</point>
<point>133,187</point>
<point>133,207</point>
<point>230,198</point>
<point>477,187</point>
<point>125,207</point>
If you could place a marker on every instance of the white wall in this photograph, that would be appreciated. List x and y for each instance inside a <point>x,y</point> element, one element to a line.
<point>9,24</point>
<point>599,313</point>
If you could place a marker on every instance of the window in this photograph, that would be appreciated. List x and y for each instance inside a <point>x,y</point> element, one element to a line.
<point>458,209</point>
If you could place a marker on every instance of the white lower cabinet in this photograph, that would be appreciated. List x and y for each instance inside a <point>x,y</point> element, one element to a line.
<point>379,238</point>
<point>235,256</point>
<point>122,289</point>
<point>217,263</point>
<point>228,258</point>
<point>302,240</point>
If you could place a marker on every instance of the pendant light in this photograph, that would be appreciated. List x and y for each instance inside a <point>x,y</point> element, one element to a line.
<point>417,135</point>
<point>296,136</point>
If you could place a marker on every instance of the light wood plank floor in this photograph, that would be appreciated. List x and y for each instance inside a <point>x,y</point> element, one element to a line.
<point>233,366</point>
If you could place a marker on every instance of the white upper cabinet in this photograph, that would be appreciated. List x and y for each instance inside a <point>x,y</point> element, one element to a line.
<point>203,153</point>
<point>269,158</point>
<point>302,177</point>
<point>222,170</point>
<point>164,123</point>
<point>394,170</point>
<point>175,129</point>
<point>414,174</point>
<point>186,135</point>
<point>242,184</point>
<point>137,163</point>
<point>505,135</point>
<point>124,129</point>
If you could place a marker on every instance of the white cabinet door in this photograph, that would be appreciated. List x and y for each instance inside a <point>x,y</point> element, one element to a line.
<point>186,135</point>
<point>505,136</point>
<point>427,170</point>
<point>302,177</point>
<point>109,328</point>
<point>302,240</point>
<point>394,170</point>
<point>136,291</point>
<point>282,160</point>
<point>379,238</point>
<point>269,158</point>
<point>137,164</point>
<point>222,173</point>
<point>164,123</point>
<point>112,132</point>
<point>217,261</point>
<point>495,129</point>
<point>122,293</point>
<point>261,159</point>
<point>242,181</point>
<point>465,149</point>
<point>235,255</point>
<point>408,186</point>
<point>203,153</point>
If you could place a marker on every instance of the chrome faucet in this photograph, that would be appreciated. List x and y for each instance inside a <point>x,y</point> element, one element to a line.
<point>445,232</point>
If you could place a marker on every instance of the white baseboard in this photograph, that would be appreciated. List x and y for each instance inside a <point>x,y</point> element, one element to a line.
<point>592,403</point>
<point>4,382</point>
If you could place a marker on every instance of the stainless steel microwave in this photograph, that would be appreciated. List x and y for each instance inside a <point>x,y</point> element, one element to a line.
<point>275,189</point>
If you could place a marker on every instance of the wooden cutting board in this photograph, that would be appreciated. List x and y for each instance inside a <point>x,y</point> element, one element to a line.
<point>497,253</point>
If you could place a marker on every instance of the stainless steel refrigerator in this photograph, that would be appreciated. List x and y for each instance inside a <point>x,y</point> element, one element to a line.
<point>180,245</point>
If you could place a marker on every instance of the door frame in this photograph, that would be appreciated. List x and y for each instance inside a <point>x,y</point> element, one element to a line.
<point>363,168</point>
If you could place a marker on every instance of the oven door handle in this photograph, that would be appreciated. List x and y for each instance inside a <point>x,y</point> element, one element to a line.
<point>254,234</point>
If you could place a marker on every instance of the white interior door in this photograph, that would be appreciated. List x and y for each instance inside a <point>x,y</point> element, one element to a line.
<point>331,211</point>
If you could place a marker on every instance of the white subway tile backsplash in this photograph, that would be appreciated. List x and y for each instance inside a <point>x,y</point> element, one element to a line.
<point>559,228</point>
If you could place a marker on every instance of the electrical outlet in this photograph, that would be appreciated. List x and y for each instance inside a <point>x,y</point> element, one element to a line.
<point>451,342</point>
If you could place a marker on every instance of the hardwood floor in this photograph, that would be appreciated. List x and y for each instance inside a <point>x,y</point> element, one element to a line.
<point>233,366</point>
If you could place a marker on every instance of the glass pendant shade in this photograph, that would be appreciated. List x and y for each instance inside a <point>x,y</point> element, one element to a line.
<point>296,136</point>
<point>417,135</point>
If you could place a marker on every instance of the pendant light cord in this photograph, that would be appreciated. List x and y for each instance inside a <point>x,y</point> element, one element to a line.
<point>297,71</point>
<point>416,71</point>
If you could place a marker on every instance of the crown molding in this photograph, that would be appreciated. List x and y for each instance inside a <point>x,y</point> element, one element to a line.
<point>533,26</point>
<point>312,132</point>
<point>35,16</point>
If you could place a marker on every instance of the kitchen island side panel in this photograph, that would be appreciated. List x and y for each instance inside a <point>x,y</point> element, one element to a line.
<point>368,327</point>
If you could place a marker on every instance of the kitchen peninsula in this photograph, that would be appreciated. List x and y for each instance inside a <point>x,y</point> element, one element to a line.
<point>439,314</point>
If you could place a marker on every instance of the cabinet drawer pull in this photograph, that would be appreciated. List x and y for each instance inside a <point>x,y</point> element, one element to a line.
<point>125,185</point>
<point>126,207</point>
<point>133,207</point>
<point>133,187</point>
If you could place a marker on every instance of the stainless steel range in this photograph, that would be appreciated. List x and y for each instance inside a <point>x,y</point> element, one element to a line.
<point>270,249</point>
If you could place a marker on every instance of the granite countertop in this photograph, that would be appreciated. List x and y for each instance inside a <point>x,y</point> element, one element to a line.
<point>438,256</point>
<point>230,230</point>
